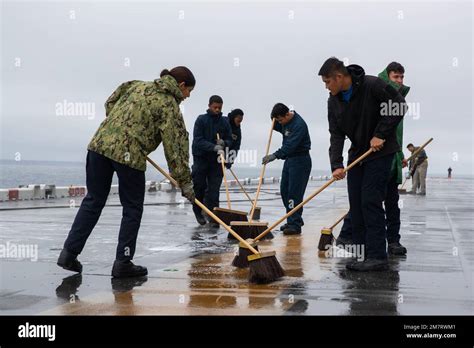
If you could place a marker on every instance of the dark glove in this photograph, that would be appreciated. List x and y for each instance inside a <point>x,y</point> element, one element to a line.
<point>187,191</point>
<point>220,142</point>
<point>228,165</point>
<point>267,159</point>
<point>219,149</point>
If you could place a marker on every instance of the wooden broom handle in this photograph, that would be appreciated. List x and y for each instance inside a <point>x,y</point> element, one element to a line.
<point>419,149</point>
<point>238,182</point>
<point>311,196</point>
<point>225,178</point>
<point>203,207</point>
<point>262,173</point>
<point>338,221</point>
<point>403,185</point>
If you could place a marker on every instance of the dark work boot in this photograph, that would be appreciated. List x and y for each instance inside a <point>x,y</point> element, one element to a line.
<point>368,265</point>
<point>396,249</point>
<point>69,261</point>
<point>126,269</point>
<point>200,219</point>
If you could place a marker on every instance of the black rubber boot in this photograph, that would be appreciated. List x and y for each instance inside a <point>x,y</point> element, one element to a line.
<point>126,269</point>
<point>396,249</point>
<point>69,261</point>
<point>283,227</point>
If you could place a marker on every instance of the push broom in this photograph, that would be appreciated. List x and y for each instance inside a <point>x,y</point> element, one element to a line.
<point>402,190</point>
<point>251,228</point>
<point>264,267</point>
<point>324,243</point>
<point>228,215</point>
<point>242,257</point>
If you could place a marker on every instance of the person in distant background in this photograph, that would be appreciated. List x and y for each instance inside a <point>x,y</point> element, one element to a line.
<point>449,172</point>
<point>418,168</point>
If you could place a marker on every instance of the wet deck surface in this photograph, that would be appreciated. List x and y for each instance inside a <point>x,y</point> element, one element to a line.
<point>190,268</point>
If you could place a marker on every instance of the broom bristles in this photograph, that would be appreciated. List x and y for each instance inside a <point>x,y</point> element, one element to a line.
<point>325,241</point>
<point>255,234</point>
<point>228,215</point>
<point>250,231</point>
<point>240,260</point>
<point>265,269</point>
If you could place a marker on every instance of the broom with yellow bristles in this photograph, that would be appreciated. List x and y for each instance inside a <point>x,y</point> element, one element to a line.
<point>264,267</point>
<point>240,258</point>
<point>325,243</point>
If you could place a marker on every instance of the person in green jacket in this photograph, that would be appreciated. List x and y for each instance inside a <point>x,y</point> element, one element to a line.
<point>140,115</point>
<point>393,74</point>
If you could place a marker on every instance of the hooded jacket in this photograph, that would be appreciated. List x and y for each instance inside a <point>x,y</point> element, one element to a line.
<point>368,113</point>
<point>236,137</point>
<point>396,170</point>
<point>139,117</point>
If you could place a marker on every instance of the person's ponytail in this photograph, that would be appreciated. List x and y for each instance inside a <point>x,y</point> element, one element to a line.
<point>164,72</point>
<point>181,74</point>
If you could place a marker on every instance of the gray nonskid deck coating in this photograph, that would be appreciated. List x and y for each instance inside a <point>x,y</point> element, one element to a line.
<point>190,272</point>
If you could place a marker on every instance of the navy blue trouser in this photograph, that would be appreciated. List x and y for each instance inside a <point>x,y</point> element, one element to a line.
<point>294,179</point>
<point>392,215</point>
<point>207,179</point>
<point>99,172</point>
<point>367,187</point>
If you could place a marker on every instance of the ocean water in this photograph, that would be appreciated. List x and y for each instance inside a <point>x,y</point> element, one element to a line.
<point>16,173</point>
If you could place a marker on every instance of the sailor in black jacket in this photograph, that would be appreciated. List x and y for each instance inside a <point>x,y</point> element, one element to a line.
<point>207,170</point>
<point>297,167</point>
<point>366,110</point>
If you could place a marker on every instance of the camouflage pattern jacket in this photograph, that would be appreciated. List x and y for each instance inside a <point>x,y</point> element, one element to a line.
<point>139,117</point>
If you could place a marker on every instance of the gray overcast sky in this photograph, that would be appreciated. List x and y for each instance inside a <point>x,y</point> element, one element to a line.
<point>77,51</point>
